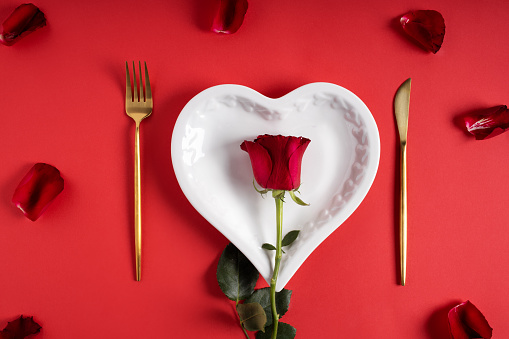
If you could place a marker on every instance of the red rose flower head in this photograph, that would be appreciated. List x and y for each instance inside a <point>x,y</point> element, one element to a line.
<point>425,26</point>
<point>229,16</point>
<point>25,19</point>
<point>489,122</point>
<point>276,160</point>
<point>37,190</point>
<point>467,322</point>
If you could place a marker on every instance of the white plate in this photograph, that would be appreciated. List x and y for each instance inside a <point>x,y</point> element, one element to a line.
<point>338,167</point>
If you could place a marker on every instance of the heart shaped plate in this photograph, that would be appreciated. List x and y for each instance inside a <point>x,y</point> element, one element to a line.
<point>338,167</point>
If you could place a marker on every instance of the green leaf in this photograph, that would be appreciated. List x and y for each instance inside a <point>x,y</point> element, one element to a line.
<point>262,297</point>
<point>235,274</point>
<point>252,316</point>
<point>289,238</point>
<point>268,247</point>
<point>297,199</point>
<point>284,331</point>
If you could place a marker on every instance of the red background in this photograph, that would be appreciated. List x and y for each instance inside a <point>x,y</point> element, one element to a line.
<point>62,102</point>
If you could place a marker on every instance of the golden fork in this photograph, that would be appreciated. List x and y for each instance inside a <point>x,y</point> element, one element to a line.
<point>138,107</point>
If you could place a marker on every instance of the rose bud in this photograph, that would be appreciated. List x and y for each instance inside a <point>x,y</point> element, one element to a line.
<point>24,20</point>
<point>467,322</point>
<point>37,190</point>
<point>229,16</point>
<point>488,123</point>
<point>425,26</point>
<point>276,160</point>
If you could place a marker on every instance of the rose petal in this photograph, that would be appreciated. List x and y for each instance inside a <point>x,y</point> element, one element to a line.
<point>425,26</point>
<point>488,122</point>
<point>20,328</point>
<point>467,322</point>
<point>26,18</point>
<point>229,16</point>
<point>260,161</point>
<point>294,164</point>
<point>37,190</point>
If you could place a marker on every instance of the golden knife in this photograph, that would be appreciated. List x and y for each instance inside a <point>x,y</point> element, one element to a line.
<point>401,108</point>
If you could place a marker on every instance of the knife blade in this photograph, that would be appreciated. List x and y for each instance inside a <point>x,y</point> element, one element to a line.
<point>401,109</point>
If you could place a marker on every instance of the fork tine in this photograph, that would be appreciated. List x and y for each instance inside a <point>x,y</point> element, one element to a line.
<point>128,90</point>
<point>135,86</point>
<point>148,91</point>
<point>142,97</point>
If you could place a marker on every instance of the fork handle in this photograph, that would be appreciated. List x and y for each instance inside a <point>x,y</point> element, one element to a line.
<point>137,203</point>
<point>403,215</point>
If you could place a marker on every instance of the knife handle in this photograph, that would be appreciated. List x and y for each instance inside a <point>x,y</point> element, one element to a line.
<point>403,215</point>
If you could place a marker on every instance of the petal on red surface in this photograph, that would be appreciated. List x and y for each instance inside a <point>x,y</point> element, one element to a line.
<point>37,190</point>
<point>488,123</point>
<point>425,26</point>
<point>229,16</point>
<point>26,18</point>
<point>467,322</point>
<point>20,328</point>
<point>456,325</point>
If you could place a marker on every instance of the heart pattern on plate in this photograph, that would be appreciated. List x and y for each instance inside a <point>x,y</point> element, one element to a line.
<point>338,167</point>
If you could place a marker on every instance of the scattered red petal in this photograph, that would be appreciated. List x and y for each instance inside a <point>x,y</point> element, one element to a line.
<point>489,122</point>
<point>25,19</point>
<point>37,190</point>
<point>467,322</point>
<point>20,328</point>
<point>425,26</point>
<point>229,16</point>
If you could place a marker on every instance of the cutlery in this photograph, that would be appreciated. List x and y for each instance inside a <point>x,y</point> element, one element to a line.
<point>138,106</point>
<point>401,108</point>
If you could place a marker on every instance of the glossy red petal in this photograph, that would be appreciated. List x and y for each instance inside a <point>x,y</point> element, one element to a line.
<point>20,328</point>
<point>489,122</point>
<point>458,331</point>
<point>37,190</point>
<point>260,162</point>
<point>425,26</point>
<point>229,16</point>
<point>467,322</point>
<point>26,18</point>
<point>295,159</point>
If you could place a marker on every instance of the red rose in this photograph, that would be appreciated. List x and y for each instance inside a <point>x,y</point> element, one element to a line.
<point>26,18</point>
<point>37,190</point>
<point>276,160</point>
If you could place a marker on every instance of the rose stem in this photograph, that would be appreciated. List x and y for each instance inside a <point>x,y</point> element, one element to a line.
<point>279,222</point>
<point>243,329</point>
<point>240,321</point>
